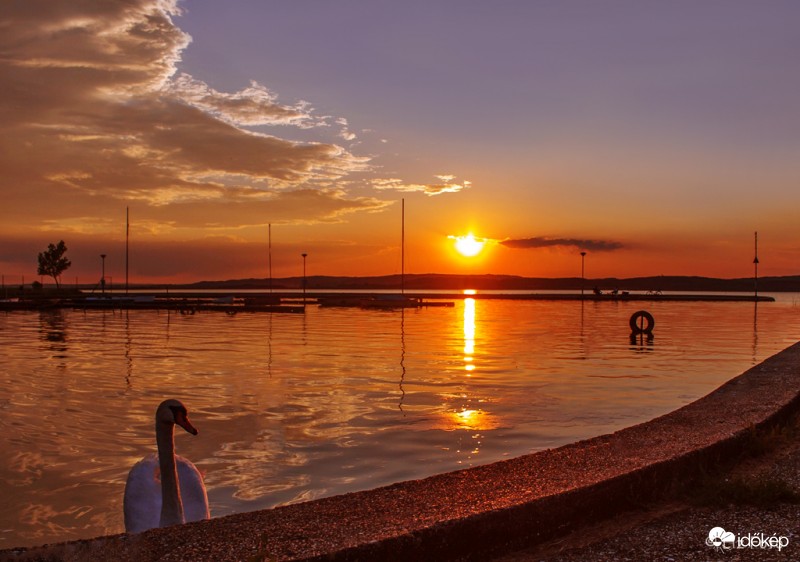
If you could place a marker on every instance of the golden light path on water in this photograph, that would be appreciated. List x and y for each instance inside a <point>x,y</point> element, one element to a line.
<point>475,418</point>
<point>293,407</point>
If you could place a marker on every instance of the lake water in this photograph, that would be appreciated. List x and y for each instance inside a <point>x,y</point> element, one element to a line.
<point>292,407</point>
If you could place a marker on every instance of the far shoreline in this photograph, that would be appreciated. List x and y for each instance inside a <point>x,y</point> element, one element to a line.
<point>431,282</point>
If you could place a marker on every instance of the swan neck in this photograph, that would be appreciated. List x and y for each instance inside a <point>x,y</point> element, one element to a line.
<point>171,505</point>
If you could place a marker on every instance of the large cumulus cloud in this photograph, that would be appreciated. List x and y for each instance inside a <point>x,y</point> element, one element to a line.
<point>94,115</point>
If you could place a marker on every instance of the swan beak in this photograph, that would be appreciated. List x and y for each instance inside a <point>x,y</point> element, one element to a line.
<point>183,421</point>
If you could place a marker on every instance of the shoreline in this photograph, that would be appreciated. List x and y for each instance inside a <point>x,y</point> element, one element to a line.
<point>485,510</point>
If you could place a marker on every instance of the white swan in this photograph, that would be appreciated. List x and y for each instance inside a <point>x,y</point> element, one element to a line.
<point>152,494</point>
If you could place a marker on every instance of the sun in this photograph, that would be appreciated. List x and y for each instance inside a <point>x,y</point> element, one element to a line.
<point>469,246</point>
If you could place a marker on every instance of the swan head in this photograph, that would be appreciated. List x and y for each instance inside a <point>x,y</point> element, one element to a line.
<point>173,412</point>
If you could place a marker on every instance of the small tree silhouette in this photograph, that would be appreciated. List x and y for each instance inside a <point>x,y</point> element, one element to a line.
<point>53,263</point>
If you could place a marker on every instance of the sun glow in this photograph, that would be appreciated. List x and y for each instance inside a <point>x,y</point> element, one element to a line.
<point>469,246</point>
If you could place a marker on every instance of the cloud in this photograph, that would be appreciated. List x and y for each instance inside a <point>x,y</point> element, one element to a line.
<point>290,207</point>
<point>345,132</point>
<point>93,114</point>
<point>446,185</point>
<point>580,244</point>
<point>255,105</point>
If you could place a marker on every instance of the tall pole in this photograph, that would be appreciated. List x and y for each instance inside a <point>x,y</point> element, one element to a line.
<point>103,273</point>
<point>755,265</point>
<point>269,231</point>
<point>127,236</point>
<point>304,277</point>
<point>583,276</point>
<point>402,246</point>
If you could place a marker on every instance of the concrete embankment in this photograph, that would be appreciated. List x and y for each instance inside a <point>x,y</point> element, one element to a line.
<point>481,511</point>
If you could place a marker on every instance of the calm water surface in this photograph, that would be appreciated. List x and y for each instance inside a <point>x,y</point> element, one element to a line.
<point>293,407</point>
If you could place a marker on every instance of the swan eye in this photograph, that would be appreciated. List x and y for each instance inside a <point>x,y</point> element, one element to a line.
<point>179,413</point>
<point>181,417</point>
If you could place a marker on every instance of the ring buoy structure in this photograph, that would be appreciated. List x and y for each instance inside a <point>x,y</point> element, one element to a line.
<point>642,322</point>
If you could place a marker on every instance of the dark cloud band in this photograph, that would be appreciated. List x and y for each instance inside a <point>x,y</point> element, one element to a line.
<point>542,242</point>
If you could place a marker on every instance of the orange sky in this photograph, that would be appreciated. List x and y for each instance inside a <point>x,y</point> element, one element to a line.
<point>656,143</point>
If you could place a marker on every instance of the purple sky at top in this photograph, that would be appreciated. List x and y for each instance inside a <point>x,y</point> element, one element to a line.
<point>666,132</point>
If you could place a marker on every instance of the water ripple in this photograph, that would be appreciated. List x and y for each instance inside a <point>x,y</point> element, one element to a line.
<point>294,407</point>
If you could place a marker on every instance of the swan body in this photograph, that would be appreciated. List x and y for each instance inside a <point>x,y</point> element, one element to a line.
<point>165,489</point>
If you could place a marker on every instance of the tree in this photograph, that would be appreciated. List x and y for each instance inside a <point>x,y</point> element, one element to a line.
<point>53,263</point>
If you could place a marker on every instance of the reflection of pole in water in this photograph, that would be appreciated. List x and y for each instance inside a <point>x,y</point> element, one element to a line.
<point>269,347</point>
<point>402,358</point>
<point>755,333</point>
<point>128,345</point>
<point>169,315</point>
<point>305,325</point>
<point>583,352</point>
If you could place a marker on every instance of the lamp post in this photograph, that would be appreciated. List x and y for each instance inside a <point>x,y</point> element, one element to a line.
<point>583,277</point>
<point>755,274</point>
<point>103,274</point>
<point>304,277</point>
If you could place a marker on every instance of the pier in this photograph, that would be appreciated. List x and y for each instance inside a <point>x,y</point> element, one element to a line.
<point>293,302</point>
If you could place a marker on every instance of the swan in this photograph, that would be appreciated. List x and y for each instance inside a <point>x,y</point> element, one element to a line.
<point>153,497</point>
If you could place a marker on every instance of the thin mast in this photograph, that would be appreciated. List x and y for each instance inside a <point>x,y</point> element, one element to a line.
<point>127,236</point>
<point>402,246</point>
<point>755,265</point>
<point>270,256</point>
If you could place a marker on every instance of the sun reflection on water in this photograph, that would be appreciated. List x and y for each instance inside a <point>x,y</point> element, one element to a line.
<point>469,331</point>
<point>473,419</point>
<point>467,416</point>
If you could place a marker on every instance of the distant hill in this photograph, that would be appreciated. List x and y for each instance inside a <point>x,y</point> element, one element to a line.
<point>438,281</point>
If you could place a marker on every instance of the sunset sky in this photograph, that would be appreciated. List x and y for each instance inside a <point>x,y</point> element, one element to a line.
<point>656,136</point>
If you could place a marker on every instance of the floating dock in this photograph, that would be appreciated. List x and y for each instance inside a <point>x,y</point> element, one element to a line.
<point>292,302</point>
